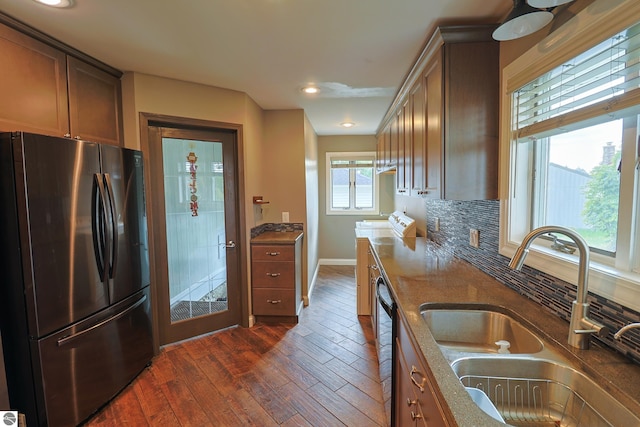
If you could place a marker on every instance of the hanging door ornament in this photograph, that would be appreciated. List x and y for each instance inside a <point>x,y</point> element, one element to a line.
<point>193,168</point>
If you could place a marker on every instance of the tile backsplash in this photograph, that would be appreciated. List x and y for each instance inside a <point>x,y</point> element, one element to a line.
<point>555,295</point>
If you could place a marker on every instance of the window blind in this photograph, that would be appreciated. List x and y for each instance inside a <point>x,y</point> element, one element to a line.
<point>601,81</point>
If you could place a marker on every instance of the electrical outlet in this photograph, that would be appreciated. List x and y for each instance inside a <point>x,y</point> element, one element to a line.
<point>474,238</point>
<point>285,216</point>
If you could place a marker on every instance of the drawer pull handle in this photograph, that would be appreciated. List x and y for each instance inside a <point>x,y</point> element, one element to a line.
<point>415,416</point>
<point>275,301</point>
<point>273,274</point>
<point>420,384</point>
<point>411,402</point>
<point>273,253</point>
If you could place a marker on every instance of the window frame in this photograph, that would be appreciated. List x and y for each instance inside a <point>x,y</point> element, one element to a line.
<point>343,155</point>
<point>618,281</point>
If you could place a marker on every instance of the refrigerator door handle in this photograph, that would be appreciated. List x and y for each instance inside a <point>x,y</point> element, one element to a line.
<point>100,245</point>
<point>66,340</point>
<point>114,225</point>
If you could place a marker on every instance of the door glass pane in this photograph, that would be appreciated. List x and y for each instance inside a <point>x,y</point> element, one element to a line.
<point>194,208</point>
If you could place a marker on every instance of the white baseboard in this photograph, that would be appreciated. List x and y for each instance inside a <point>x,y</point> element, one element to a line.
<point>307,298</point>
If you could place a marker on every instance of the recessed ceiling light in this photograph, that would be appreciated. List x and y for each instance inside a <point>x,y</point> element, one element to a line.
<point>310,89</point>
<point>347,124</point>
<point>56,3</point>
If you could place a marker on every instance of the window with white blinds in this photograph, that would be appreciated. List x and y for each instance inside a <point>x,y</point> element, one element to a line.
<point>351,183</point>
<point>598,85</point>
<point>571,149</point>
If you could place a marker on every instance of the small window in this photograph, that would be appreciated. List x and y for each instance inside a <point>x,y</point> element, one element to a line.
<point>351,184</point>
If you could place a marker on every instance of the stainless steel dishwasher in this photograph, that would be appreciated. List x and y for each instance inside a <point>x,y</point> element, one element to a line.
<point>385,337</point>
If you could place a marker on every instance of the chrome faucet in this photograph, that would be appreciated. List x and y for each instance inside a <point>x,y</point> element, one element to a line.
<point>624,329</point>
<point>580,326</point>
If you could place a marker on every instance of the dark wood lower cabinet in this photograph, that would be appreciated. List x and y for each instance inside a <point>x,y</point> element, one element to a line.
<point>415,402</point>
<point>276,276</point>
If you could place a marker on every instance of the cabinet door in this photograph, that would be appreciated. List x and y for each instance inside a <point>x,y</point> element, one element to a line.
<point>33,85</point>
<point>380,153</point>
<point>423,407</point>
<point>404,149</point>
<point>387,147</point>
<point>405,401</point>
<point>394,132</point>
<point>418,149</point>
<point>471,151</point>
<point>94,103</point>
<point>434,136</point>
<point>408,145</point>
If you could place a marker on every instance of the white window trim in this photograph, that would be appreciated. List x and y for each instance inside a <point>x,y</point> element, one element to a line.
<point>376,189</point>
<point>593,24</point>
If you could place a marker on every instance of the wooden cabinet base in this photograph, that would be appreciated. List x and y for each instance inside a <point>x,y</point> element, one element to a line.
<point>276,277</point>
<point>278,319</point>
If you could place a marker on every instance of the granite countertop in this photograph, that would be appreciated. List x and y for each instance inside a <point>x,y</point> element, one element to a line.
<point>277,237</point>
<point>418,272</point>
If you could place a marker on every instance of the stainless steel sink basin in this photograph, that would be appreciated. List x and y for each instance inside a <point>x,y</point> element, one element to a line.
<point>534,392</point>
<point>478,330</point>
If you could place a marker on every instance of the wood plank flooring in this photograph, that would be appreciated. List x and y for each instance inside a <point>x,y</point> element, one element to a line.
<point>321,372</point>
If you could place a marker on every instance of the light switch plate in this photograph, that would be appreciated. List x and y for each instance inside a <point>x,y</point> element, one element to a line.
<point>285,216</point>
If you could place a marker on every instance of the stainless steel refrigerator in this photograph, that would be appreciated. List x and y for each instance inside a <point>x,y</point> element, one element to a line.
<point>75,313</point>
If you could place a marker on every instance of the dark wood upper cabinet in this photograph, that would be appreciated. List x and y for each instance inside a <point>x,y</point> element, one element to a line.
<point>48,89</point>
<point>383,150</point>
<point>33,83</point>
<point>95,112</point>
<point>450,102</point>
<point>471,76</point>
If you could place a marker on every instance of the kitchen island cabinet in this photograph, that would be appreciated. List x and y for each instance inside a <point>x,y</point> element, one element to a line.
<point>276,276</point>
<point>48,89</point>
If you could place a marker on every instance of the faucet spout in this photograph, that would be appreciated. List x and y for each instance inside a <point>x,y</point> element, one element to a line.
<point>624,329</point>
<point>581,326</point>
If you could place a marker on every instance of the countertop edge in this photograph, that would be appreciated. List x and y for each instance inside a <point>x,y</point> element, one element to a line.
<point>278,237</point>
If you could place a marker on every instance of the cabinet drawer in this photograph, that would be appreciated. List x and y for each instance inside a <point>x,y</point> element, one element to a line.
<point>273,275</point>
<point>274,302</point>
<point>272,253</point>
<point>427,405</point>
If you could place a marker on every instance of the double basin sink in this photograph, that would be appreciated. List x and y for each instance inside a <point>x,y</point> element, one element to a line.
<point>514,376</point>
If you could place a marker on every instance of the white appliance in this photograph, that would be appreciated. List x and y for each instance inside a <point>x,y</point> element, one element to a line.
<point>397,225</point>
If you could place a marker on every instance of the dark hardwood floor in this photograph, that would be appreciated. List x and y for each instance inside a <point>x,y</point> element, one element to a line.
<point>321,372</point>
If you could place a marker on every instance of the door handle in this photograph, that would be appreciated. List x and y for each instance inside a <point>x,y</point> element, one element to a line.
<point>230,244</point>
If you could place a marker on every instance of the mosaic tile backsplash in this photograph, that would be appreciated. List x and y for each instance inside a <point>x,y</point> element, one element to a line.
<point>555,295</point>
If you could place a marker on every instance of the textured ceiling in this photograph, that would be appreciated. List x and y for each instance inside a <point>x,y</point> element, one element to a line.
<point>356,51</point>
